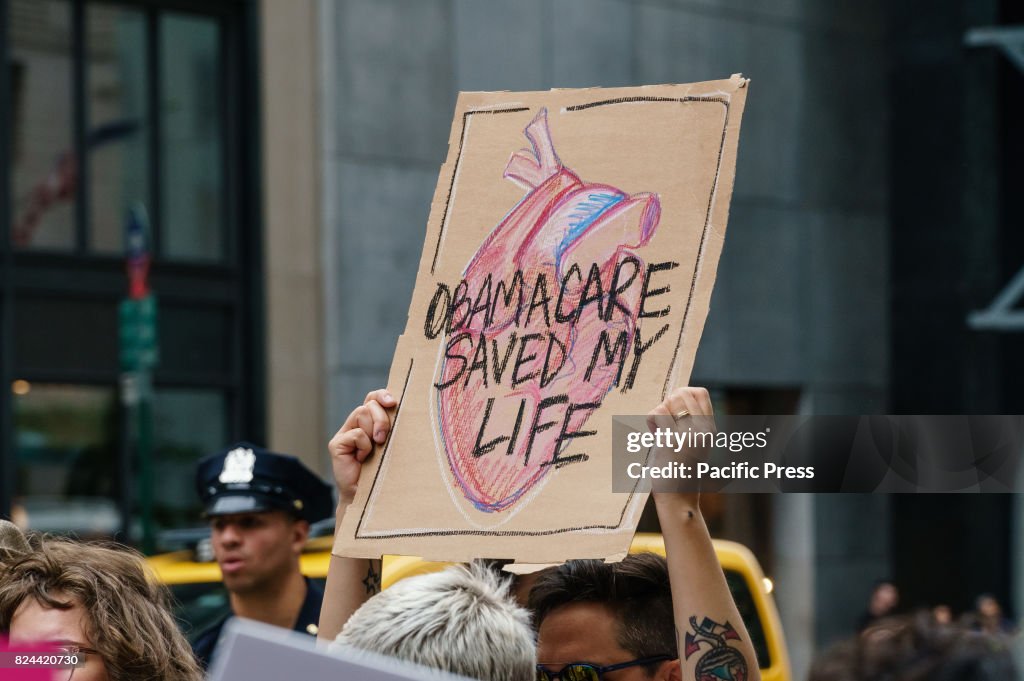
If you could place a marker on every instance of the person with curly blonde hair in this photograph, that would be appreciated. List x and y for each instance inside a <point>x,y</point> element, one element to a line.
<point>99,601</point>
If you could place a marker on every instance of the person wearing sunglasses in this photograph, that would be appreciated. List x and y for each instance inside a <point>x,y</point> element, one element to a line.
<point>625,610</point>
<point>615,621</point>
<point>97,602</point>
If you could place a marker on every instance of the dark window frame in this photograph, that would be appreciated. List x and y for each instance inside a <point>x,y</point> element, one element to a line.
<point>233,284</point>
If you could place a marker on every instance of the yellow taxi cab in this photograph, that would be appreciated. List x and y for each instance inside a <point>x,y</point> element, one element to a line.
<point>195,581</point>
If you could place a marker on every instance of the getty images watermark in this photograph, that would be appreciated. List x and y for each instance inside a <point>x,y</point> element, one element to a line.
<point>819,454</point>
<point>683,438</point>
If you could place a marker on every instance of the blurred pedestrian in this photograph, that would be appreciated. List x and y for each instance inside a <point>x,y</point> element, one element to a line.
<point>99,602</point>
<point>883,602</point>
<point>988,616</point>
<point>260,506</point>
<point>942,614</point>
<point>916,649</point>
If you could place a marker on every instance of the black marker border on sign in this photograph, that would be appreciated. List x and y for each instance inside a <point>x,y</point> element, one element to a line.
<point>455,172</point>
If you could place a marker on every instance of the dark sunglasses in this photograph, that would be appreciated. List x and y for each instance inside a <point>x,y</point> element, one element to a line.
<point>584,671</point>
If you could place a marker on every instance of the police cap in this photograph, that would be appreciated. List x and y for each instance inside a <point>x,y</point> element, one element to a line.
<point>244,478</point>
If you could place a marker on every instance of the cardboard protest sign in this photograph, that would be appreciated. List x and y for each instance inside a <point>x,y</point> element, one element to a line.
<point>566,276</point>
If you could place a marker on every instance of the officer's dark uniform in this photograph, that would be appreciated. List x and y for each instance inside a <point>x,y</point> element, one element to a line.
<point>247,479</point>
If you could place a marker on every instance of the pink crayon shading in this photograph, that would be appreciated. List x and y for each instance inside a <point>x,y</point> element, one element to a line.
<point>561,223</point>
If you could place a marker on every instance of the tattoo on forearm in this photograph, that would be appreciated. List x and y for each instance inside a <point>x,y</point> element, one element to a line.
<point>372,580</point>
<point>719,662</point>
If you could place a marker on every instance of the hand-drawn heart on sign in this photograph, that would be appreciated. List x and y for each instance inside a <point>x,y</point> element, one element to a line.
<point>560,284</point>
<point>565,302</point>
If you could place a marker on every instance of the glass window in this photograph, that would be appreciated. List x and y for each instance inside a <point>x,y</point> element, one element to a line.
<point>196,341</point>
<point>191,132</point>
<point>140,119</point>
<point>43,327</point>
<point>117,130</point>
<point>66,470</point>
<point>43,165</point>
<point>188,424</point>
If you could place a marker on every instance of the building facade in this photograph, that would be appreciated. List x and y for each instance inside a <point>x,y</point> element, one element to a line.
<point>108,109</point>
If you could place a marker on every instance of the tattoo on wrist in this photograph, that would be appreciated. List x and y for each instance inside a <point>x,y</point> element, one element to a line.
<point>719,662</point>
<point>372,579</point>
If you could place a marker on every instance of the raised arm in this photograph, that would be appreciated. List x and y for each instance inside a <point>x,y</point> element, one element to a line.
<point>351,581</point>
<point>713,641</point>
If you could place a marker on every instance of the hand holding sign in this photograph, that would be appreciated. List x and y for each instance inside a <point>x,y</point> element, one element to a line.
<point>366,425</point>
<point>684,409</point>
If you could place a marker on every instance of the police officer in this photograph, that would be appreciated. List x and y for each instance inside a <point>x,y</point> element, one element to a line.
<point>260,506</point>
